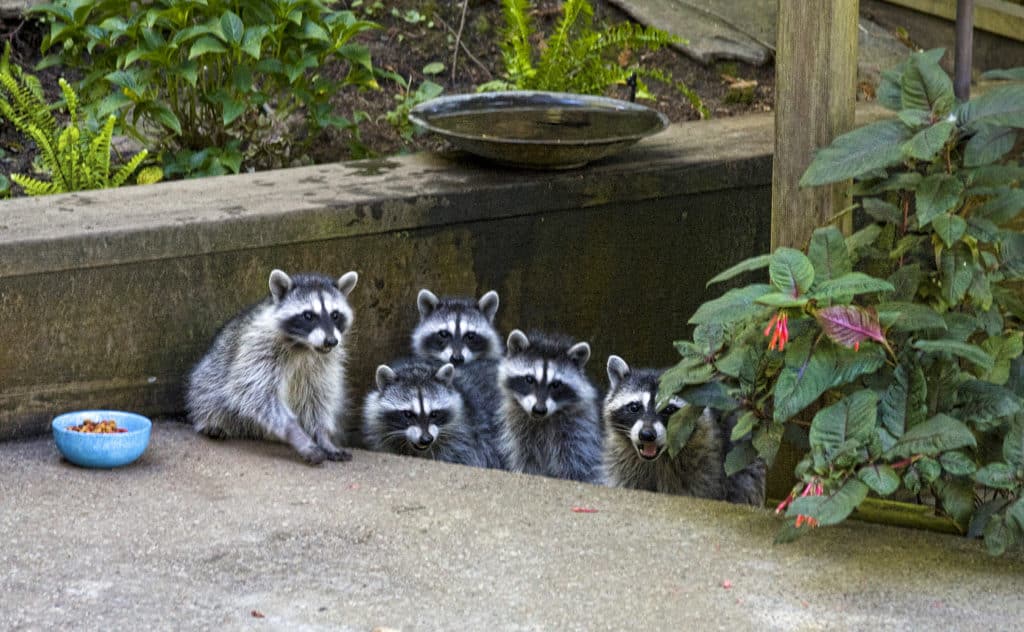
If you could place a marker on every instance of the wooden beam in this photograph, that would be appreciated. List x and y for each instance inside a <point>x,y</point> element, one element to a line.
<point>815,95</point>
<point>995,16</point>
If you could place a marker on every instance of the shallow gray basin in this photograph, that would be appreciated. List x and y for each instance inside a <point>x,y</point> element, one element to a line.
<point>538,130</point>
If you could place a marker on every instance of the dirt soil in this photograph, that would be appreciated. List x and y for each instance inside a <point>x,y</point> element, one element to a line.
<point>415,33</point>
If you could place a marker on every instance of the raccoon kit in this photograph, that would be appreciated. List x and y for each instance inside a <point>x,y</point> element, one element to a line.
<point>277,370</point>
<point>635,444</point>
<point>437,412</point>
<point>549,409</point>
<point>455,329</point>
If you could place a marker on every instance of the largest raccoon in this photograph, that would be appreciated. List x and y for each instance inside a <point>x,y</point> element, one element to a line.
<point>635,444</point>
<point>277,369</point>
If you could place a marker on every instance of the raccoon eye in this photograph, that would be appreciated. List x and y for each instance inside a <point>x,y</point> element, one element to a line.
<point>408,414</point>
<point>556,384</point>
<point>634,407</point>
<point>335,315</point>
<point>470,335</point>
<point>433,414</point>
<point>444,333</point>
<point>308,315</point>
<point>669,410</point>
<point>530,380</point>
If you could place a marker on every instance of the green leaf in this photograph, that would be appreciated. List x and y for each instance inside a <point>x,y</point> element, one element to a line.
<point>997,476</point>
<point>850,283</point>
<point>957,497</point>
<point>863,237</point>
<point>926,144</point>
<point>926,86</point>
<point>1016,513</point>
<point>1003,349</point>
<point>790,271</point>
<point>781,300</point>
<point>949,228</point>
<point>882,211</point>
<point>988,145</point>
<point>232,109</point>
<point>852,417</point>
<point>969,352</point>
<point>1003,106</point>
<point>984,404</point>
<point>252,41</point>
<point>734,305</point>
<point>903,405</point>
<point>829,510</point>
<point>798,386</point>
<point>938,434</point>
<point>232,27</point>
<point>204,45</point>
<point>882,479</point>
<point>313,31</point>
<point>957,463</point>
<point>937,194</point>
<point>1006,74</point>
<point>680,427</point>
<point>165,117</point>
<point>856,153</point>
<point>957,271</point>
<point>743,426</point>
<point>433,68</point>
<point>714,394</point>
<point>915,118</point>
<point>1013,444</point>
<point>851,364</point>
<point>767,440</point>
<point>747,265</point>
<point>997,536</point>
<point>828,254</point>
<point>739,457</point>
<point>687,371</point>
<point>1002,207</point>
<point>899,316</point>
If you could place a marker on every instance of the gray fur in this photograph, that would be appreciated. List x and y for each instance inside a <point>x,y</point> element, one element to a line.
<point>411,386</point>
<point>697,470</point>
<point>456,329</point>
<point>271,373</point>
<point>551,426</point>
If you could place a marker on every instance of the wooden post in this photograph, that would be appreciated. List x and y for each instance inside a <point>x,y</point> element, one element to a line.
<point>815,94</point>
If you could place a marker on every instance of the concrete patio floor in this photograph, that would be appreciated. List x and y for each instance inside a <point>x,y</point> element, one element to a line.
<point>241,535</point>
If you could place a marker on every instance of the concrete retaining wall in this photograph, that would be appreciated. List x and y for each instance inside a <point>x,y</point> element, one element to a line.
<point>108,297</point>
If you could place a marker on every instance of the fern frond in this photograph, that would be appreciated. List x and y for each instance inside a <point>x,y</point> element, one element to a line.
<point>129,167</point>
<point>666,78</point>
<point>516,48</point>
<point>99,151</point>
<point>33,186</point>
<point>556,56</point>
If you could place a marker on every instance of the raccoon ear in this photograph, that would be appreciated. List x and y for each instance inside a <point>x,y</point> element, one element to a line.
<point>426,302</point>
<point>488,304</point>
<point>385,376</point>
<point>517,342</point>
<point>617,370</point>
<point>346,282</point>
<point>280,283</point>
<point>579,353</point>
<point>445,374</point>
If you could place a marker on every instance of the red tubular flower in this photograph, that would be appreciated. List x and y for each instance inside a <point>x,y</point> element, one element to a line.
<point>814,488</point>
<point>778,329</point>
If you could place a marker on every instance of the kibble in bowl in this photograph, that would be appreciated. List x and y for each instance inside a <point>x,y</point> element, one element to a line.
<point>101,438</point>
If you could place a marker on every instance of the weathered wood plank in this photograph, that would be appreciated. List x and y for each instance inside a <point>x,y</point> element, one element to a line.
<point>816,73</point>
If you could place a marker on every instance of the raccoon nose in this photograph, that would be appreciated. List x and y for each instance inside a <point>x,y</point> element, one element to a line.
<point>648,434</point>
<point>540,409</point>
<point>330,342</point>
<point>456,358</point>
<point>426,439</point>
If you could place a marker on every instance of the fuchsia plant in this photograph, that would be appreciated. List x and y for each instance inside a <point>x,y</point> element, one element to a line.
<point>892,357</point>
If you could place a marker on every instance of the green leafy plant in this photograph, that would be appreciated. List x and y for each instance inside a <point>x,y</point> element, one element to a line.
<point>407,99</point>
<point>75,158</point>
<point>577,57</point>
<point>892,356</point>
<point>198,75</point>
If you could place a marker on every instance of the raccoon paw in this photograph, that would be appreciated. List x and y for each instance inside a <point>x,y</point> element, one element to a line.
<point>339,454</point>
<point>313,455</point>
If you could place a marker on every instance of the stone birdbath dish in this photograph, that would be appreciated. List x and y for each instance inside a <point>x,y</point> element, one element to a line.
<point>538,130</point>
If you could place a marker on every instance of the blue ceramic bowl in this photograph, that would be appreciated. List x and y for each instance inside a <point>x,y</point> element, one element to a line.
<point>105,450</point>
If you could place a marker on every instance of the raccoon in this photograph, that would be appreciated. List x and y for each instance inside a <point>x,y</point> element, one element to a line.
<point>276,370</point>
<point>455,329</point>
<point>549,409</point>
<point>635,443</point>
<point>437,412</point>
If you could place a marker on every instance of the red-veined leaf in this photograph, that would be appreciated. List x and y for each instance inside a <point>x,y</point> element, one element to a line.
<point>849,325</point>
